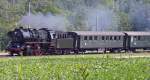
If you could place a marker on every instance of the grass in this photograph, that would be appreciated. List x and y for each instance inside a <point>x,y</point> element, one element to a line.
<point>74,67</point>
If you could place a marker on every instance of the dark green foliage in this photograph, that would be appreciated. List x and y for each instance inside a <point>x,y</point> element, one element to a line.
<point>3,39</point>
<point>124,24</point>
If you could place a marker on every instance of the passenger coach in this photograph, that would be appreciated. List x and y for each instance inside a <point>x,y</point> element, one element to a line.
<point>138,40</point>
<point>90,40</point>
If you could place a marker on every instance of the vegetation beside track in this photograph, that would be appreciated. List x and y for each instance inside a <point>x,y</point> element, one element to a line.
<point>74,67</point>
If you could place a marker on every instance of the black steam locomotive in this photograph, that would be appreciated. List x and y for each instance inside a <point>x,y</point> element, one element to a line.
<point>28,41</point>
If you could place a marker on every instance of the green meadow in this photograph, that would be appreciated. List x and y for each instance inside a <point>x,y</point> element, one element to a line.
<point>74,67</point>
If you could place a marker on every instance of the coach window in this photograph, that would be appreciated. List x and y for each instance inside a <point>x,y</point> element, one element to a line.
<point>107,37</point>
<point>139,37</point>
<point>115,37</point>
<point>63,36</point>
<point>54,35</point>
<point>69,36</point>
<point>95,38</point>
<point>103,37</point>
<point>135,37</point>
<point>90,38</point>
<point>119,37</point>
<point>85,37</point>
<point>58,36</point>
<point>111,38</point>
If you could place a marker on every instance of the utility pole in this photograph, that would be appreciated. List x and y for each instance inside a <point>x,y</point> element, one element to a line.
<point>29,7</point>
<point>96,22</point>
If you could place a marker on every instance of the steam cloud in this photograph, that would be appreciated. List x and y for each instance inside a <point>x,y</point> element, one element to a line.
<point>39,20</point>
<point>140,16</point>
<point>102,19</point>
<point>87,14</point>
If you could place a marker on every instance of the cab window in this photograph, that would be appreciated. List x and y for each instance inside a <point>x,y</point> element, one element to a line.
<point>95,38</point>
<point>90,38</point>
<point>85,38</point>
<point>107,37</point>
<point>103,37</point>
<point>139,37</point>
<point>115,37</point>
<point>111,38</point>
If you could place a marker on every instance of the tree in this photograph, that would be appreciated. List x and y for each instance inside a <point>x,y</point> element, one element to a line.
<point>124,22</point>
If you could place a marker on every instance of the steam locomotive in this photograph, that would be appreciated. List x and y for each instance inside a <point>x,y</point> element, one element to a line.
<point>28,41</point>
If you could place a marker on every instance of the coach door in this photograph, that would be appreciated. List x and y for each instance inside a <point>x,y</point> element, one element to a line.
<point>127,41</point>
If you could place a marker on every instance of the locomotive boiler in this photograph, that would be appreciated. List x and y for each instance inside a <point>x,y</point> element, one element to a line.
<point>28,41</point>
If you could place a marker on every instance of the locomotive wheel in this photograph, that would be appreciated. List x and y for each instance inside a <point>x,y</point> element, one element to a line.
<point>62,52</point>
<point>67,52</point>
<point>76,52</point>
<point>114,51</point>
<point>38,52</point>
<point>11,54</point>
<point>105,51</point>
<point>24,53</point>
<point>18,54</point>
<point>27,52</point>
<point>133,50</point>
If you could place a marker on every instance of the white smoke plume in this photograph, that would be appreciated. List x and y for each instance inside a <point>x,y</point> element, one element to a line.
<point>85,14</point>
<point>102,19</point>
<point>140,16</point>
<point>39,20</point>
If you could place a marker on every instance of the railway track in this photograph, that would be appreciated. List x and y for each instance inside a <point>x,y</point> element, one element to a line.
<point>4,55</point>
<point>122,55</point>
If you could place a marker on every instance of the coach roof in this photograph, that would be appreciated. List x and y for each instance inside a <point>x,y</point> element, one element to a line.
<point>86,33</point>
<point>138,33</point>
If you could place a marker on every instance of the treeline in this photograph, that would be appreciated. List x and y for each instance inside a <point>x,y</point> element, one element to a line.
<point>125,15</point>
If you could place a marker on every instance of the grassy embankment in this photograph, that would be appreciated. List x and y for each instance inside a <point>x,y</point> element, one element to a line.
<point>74,67</point>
